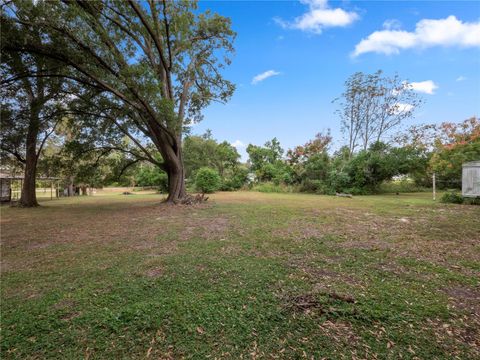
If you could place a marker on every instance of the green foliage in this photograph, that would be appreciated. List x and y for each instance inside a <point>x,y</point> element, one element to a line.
<point>447,162</point>
<point>259,156</point>
<point>471,201</point>
<point>452,197</point>
<point>149,175</point>
<point>403,185</point>
<point>270,187</point>
<point>338,180</point>
<point>371,167</point>
<point>267,164</point>
<point>146,68</point>
<point>207,180</point>
<point>316,186</point>
<point>236,179</point>
<point>317,166</point>
<point>205,151</point>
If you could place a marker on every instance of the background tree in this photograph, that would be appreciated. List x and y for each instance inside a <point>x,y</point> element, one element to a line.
<point>270,153</point>
<point>318,145</point>
<point>267,163</point>
<point>372,105</point>
<point>440,148</point>
<point>369,168</point>
<point>310,162</point>
<point>31,106</point>
<point>158,61</point>
<point>205,151</point>
<point>199,151</point>
<point>455,144</point>
<point>148,175</point>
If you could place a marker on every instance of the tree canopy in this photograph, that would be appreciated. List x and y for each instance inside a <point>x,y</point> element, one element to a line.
<point>155,63</point>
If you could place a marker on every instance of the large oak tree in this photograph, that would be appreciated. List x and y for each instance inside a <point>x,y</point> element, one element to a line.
<point>158,62</point>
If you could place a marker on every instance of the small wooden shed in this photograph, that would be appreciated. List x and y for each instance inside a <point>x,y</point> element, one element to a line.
<point>471,179</point>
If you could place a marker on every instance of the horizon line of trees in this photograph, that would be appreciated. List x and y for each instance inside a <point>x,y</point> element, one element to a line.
<point>100,92</point>
<point>313,167</point>
<point>414,153</point>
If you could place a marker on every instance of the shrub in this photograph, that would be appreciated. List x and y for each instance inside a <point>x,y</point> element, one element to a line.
<point>338,180</point>
<point>401,186</point>
<point>452,198</point>
<point>269,187</point>
<point>357,191</point>
<point>207,180</point>
<point>236,180</point>
<point>311,186</point>
<point>317,187</point>
<point>472,201</point>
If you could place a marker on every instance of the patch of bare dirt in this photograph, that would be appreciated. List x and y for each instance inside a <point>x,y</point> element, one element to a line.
<point>69,307</point>
<point>135,226</point>
<point>310,302</point>
<point>305,303</point>
<point>436,235</point>
<point>299,229</point>
<point>340,332</point>
<point>71,316</point>
<point>154,272</point>
<point>321,276</point>
<point>65,304</point>
<point>465,299</point>
<point>207,228</point>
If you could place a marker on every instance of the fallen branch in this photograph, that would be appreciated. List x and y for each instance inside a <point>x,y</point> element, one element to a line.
<point>344,195</point>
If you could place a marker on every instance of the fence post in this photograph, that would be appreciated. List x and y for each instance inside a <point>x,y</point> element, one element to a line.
<point>434,190</point>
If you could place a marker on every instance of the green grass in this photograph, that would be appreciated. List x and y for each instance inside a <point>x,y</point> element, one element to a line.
<point>249,275</point>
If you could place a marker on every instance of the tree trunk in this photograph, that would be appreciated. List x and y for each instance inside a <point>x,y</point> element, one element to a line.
<point>71,191</point>
<point>29,196</point>
<point>173,166</point>
<point>176,173</point>
<point>176,183</point>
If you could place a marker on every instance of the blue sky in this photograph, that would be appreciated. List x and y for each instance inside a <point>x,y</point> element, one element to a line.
<point>309,48</point>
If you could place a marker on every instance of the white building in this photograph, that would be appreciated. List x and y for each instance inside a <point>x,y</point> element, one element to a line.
<point>471,179</point>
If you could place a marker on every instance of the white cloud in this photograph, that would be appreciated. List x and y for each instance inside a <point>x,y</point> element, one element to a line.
<point>265,75</point>
<point>318,17</point>
<point>392,24</point>
<point>237,144</point>
<point>427,86</point>
<point>428,33</point>
<point>461,78</point>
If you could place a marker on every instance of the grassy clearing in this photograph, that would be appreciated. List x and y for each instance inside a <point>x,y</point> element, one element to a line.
<point>248,275</point>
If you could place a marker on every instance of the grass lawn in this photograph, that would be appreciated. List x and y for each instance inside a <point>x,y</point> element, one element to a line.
<point>247,275</point>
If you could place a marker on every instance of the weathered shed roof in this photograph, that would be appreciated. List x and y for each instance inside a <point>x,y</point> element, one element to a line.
<point>471,163</point>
